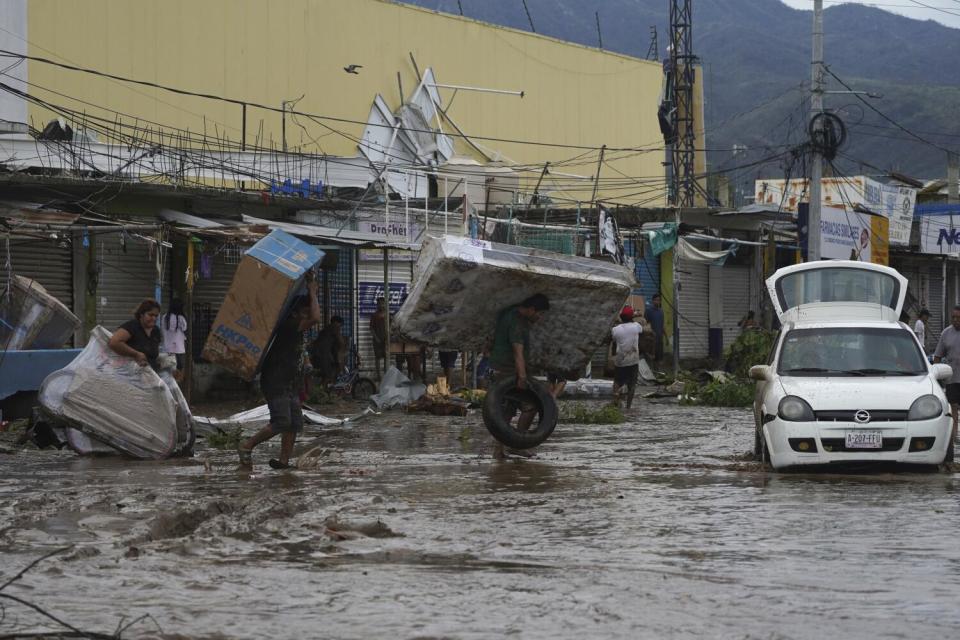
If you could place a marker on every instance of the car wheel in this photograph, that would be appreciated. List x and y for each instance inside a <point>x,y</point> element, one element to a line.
<point>763,454</point>
<point>363,389</point>
<point>949,456</point>
<point>504,397</point>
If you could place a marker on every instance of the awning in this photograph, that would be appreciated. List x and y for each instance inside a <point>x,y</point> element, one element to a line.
<point>328,234</point>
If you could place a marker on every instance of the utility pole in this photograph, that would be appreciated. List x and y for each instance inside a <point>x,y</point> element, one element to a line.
<point>816,107</point>
<point>683,150</point>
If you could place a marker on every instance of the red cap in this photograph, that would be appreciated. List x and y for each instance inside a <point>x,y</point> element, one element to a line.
<point>626,311</point>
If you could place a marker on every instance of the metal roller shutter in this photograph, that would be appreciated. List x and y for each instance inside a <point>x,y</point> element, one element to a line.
<point>694,310</point>
<point>46,261</point>
<point>342,289</point>
<point>209,293</point>
<point>127,276</point>
<point>370,280</point>
<point>647,267</point>
<point>736,300</point>
<point>935,302</point>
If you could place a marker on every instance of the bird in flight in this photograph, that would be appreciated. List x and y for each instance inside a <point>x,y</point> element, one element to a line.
<point>353,68</point>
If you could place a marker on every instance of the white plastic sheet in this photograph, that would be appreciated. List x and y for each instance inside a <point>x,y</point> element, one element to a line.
<point>116,401</point>
<point>397,390</point>
<point>258,417</point>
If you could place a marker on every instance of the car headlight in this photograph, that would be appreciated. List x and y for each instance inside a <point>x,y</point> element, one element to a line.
<point>925,408</point>
<point>795,409</point>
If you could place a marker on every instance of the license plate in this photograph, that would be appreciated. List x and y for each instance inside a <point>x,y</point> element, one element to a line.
<point>865,440</point>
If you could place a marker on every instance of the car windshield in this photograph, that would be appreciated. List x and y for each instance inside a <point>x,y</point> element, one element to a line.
<point>850,351</point>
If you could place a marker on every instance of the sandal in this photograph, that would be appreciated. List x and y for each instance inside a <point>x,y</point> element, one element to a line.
<point>246,456</point>
<point>276,464</point>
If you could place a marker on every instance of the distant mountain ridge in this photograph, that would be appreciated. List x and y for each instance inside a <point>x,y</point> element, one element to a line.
<point>757,52</point>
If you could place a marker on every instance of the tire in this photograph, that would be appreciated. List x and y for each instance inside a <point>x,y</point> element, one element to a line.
<point>949,456</point>
<point>363,388</point>
<point>501,429</point>
<point>760,451</point>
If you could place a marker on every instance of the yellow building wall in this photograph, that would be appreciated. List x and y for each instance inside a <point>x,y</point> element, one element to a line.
<point>266,51</point>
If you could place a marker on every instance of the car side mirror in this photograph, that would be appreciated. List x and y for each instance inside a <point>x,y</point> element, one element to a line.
<point>761,372</point>
<point>942,371</point>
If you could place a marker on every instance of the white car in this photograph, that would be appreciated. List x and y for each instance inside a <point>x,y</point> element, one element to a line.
<point>846,382</point>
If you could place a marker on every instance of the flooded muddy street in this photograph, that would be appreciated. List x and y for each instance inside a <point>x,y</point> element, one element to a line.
<point>405,527</point>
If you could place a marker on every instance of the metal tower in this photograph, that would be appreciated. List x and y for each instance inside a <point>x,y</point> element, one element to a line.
<point>682,77</point>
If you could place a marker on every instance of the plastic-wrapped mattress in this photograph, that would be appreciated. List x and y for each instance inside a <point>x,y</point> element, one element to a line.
<point>461,285</point>
<point>118,402</point>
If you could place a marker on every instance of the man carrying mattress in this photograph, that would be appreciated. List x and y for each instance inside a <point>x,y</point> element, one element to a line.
<point>510,352</point>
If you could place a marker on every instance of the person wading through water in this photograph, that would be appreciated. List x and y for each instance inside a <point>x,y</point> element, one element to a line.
<point>626,342</point>
<point>509,355</point>
<point>281,379</point>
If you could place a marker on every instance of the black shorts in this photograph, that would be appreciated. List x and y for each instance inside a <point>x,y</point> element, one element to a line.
<point>626,375</point>
<point>285,412</point>
<point>953,393</point>
<point>448,359</point>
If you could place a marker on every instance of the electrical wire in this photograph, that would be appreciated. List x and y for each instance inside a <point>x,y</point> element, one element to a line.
<point>885,116</point>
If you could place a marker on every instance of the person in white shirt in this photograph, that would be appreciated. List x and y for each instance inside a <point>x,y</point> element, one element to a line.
<point>174,328</point>
<point>626,358</point>
<point>920,328</point>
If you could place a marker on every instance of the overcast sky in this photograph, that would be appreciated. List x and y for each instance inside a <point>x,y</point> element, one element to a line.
<point>944,11</point>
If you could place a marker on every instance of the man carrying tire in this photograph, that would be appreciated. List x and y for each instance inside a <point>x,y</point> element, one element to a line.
<point>509,355</point>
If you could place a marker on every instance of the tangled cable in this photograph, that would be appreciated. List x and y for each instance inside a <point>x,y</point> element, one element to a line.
<point>827,134</point>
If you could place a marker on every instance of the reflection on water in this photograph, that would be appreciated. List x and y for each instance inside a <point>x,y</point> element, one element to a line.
<point>661,527</point>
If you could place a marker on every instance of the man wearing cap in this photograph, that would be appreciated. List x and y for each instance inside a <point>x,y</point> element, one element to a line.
<point>626,358</point>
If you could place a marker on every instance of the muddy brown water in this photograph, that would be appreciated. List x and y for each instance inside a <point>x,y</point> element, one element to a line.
<point>659,528</point>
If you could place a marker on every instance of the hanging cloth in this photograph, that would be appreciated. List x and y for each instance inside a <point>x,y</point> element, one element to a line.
<point>663,238</point>
<point>686,251</point>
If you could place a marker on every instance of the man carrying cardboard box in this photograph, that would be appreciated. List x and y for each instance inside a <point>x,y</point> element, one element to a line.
<point>281,378</point>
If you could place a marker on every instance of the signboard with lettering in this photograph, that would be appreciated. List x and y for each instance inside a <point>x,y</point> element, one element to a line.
<point>369,292</point>
<point>848,235</point>
<point>939,229</point>
<point>892,201</point>
<point>395,230</point>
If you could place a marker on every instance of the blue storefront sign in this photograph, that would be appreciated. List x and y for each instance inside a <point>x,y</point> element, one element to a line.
<point>370,291</point>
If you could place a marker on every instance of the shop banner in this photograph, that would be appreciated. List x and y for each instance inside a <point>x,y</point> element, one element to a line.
<point>369,292</point>
<point>895,203</point>
<point>848,235</point>
<point>396,231</point>
<point>939,229</point>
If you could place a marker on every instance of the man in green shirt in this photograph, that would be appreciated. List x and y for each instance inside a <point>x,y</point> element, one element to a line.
<point>511,350</point>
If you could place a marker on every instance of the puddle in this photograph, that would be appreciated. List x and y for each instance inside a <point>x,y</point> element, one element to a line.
<point>661,527</point>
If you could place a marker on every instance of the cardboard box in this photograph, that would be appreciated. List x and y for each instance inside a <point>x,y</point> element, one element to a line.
<point>269,276</point>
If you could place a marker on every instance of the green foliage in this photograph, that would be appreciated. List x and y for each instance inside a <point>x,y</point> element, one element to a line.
<point>580,413</point>
<point>319,394</point>
<point>473,396</point>
<point>228,440</point>
<point>750,348</point>
<point>733,392</point>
